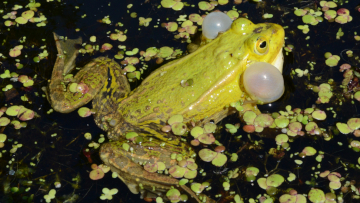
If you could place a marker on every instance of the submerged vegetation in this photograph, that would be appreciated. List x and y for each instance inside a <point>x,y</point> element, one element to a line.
<point>302,148</point>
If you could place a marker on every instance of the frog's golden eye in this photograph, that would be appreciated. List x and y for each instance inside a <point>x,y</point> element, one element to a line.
<point>261,46</point>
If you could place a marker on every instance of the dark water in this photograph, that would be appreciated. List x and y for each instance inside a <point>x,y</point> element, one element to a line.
<point>61,158</point>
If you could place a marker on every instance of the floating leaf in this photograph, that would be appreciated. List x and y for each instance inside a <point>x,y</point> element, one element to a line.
<point>207,155</point>
<point>316,195</point>
<point>206,138</point>
<point>84,112</point>
<point>344,128</point>
<point>275,180</point>
<point>319,115</point>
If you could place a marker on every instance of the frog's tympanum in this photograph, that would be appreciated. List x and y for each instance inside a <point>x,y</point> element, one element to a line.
<point>215,70</point>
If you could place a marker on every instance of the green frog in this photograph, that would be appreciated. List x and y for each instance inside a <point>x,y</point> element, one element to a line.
<point>215,71</point>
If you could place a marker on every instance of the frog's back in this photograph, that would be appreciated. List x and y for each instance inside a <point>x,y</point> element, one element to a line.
<point>162,94</point>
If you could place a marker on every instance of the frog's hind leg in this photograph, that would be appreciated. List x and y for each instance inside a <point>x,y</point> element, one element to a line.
<point>107,102</point>
<point>128,166</point>
<point>65,92</point>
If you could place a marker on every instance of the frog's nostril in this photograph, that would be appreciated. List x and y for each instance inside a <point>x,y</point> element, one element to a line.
<point>264,82</point>
<point>214,23</point>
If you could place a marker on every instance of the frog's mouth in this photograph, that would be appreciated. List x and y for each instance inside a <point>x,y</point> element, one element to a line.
<point>279,61</point>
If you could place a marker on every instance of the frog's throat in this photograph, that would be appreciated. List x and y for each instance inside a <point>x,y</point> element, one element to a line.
<point>278,62</point>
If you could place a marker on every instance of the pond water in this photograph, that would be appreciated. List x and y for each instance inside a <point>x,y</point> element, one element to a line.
<point>50,149</point>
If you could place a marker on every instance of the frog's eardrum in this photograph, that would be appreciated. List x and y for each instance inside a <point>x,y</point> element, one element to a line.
<point>214,23</point>
<point>264,82</point>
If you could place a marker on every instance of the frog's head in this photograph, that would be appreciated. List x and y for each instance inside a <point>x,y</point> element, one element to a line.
<point>258,47</point>
<point>262,78</point>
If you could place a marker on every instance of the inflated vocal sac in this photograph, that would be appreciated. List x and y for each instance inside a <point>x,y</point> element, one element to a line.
<point>263,82</point>
<point>214,23</point>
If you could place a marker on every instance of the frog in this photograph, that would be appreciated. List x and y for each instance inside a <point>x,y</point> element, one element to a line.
<point>213,76</point>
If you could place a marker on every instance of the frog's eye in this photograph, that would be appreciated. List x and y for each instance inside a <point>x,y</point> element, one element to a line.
<point>264,82</point>
<point>214,23</point>
<point>261,46</point>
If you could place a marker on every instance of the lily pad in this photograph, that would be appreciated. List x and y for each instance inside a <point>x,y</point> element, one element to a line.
<point>206,138</point>
<point>171,26</point>
<point>173,195</point>
<point>316,195</point>
<point>196,131</point>
<point>300,12</point>
<point>330,14</point>
<point>26,114</point>
<point>232,129</point>
<point>131,135</point>
<point>84,112</point>
<point>251,171</point>
<point>96,174</point>
<point>207,155</point>
<point>178,128</point>
<point>332,60</point>
<point>177,171</point>
<point>28,14</point>
<point>21,20</point>
<point>309,151</point>
<point>282,122</point>
<point>175,119</point>
<point>249,117</point>
<point>274,180</point>
<point>165,52</point>
<point>4,121</point>
<point>219,160</point>
<point>354,123</point>
<point>319,115</point>
<point>263,120</point>
<point>281,138</point>
<point>209,127</point>
<point>190,174</point>
<point>344,128</point>
<point>249,128</point>
<point>197,187</point>
<point>13,110</point>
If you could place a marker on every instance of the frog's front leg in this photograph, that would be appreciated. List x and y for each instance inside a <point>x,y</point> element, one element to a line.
<point>129,169</point>
<point>66,93</point>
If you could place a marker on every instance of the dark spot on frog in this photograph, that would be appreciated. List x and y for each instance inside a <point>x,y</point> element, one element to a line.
<point>121,162</point>
<point>135,170</point>
<point>147,108</point>
<point>169,110</point>
<point>145,84</point>
<point>159,101</point>
<point>138,111</point>
<point>156,109</point>
<point>258,30</point>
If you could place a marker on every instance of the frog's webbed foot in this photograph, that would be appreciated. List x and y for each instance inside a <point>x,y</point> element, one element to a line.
<point>138,180</point>
<point>67,92</point>
<point>67,53</point>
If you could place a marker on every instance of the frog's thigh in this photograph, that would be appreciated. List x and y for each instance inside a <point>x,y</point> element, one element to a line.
<point>133,174</point>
